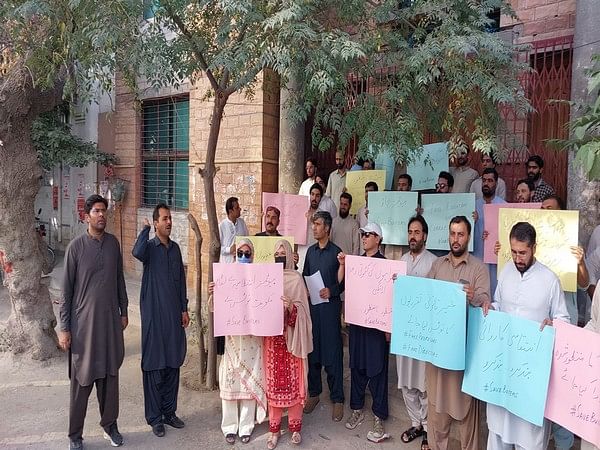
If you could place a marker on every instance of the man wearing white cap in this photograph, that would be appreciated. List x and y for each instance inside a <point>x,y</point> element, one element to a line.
<point>369,350</point>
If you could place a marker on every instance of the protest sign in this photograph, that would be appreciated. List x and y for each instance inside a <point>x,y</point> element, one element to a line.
<point>293,208</point>
<point>392,211</point>
<point>438,209</point>
<point>355,185</point>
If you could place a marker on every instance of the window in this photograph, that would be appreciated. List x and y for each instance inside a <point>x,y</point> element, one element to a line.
<point>165,152</point>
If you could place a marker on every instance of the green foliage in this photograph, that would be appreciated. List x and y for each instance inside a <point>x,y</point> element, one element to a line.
<point>585,128</point>
<point>54,144</point>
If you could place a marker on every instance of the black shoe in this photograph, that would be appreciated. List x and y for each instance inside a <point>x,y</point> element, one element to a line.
<point>113,435</point>
<point>174,421</point>
<point>158,429</point>
<point>76,444</point>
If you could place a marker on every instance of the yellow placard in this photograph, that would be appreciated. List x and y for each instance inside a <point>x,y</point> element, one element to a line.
<point>264,246</point>
<point>556,232</point>
<point>355,185</point>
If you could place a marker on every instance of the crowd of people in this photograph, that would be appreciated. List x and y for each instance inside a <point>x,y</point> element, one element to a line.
<point>262,377</point>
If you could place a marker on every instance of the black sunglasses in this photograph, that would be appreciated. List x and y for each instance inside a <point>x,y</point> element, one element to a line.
<point>367,234</point>
<point>440,186</point>
<point>246,254</point>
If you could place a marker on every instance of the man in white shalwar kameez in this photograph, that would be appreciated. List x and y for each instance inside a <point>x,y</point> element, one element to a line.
<point>411,372</point>
<point>530,290</point>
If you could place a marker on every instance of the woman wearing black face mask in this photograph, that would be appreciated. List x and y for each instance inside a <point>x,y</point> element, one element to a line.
<point>286,355</point>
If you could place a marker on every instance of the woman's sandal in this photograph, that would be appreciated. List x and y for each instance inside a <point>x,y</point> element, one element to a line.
<point>411,434</point>
<point>296,438</point>
<point>272,440</point>
<point>424,443</point>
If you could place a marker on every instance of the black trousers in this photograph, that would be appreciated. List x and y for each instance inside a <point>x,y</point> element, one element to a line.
<point>335,380</point>
<point>378,385</point>
<point>107,391</point>
<point>160,393</point>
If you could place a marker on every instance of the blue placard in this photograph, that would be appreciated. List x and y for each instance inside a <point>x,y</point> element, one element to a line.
<point>429,321</point>
<point>508,363</point>
<point>392,211</point>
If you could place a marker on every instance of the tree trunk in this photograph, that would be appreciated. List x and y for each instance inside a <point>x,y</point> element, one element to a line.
<point>199,325</point>
<point>214,249</point>
<point>30,326</point>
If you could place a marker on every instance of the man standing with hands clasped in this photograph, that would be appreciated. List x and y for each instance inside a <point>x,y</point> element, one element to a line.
<point>163,305</point>
<point>93,315</point>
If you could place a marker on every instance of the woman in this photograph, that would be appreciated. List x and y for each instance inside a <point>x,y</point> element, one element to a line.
<point>286,355</point>
<point>241,375</point>
<point>593,325</point>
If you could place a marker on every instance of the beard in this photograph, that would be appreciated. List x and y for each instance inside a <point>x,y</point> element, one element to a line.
<point>343,214</point>
<point>340,165</point>
<point>415,246</point>
<point>522,268</point>
<point>458,252</point>
<point>534,177</point>
<point>488,192</point>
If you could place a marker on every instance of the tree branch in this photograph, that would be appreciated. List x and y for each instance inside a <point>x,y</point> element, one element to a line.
<point>197,52</point>
<point>243,81</point>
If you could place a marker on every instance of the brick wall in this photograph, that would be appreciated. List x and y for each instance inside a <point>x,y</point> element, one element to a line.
<point>541,19</point>
<point>247,159</point>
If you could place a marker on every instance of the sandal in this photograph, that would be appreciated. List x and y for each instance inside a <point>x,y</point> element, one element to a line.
<point>411,434</point>
<point>424,443</point>
<point>296,438</point>
<point>272,440</point>
<point>245,439</point>
<point>230,439</point>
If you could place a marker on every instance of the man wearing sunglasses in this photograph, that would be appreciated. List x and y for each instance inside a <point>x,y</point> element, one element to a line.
<point>445,183</point>
<point>369,356</point>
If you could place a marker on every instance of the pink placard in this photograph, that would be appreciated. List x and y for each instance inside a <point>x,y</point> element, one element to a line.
<point>247,299</point>
<point>370,290</point>
<point>574,389</point>
<point>491,211</point>
<point>293,208</point>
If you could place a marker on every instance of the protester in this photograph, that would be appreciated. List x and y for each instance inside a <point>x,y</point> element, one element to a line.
<point>272,215</point>
<point>593,325</point>
<point>445,183</point>
<point>357,163</point>
<point>524,191</point>
<point>404,183</point>
<point>327,341</point>
<point>326,203</point>
<point>362,215</point>
<point>93,315</point>
<point>311,173</point>
<point>164,317</point>
<point>344,231</point>
<point>535,168</point>
<point>411,372</point>
<point>368,164</point>
<point>488,162</point>
<point>337,180</point>
<point>462,173</point>
<point>447,403</point>
<point>241,375</point>
<point>488,188</point>
<point>369,356</point>
<point>230,227</point>
<point>530,290</point>
<point>286,355</point>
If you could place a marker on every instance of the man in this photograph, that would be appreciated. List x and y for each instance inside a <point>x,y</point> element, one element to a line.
<point>530,290</point>
<point>337,180</point>
<point>362,215</point>
<point>487,162</point>
<point>524,191</point>
<point>369,350</point>
<point>230,227</point>
<point>327,340</point>
<point>93,315</point>
<point>535,168</point>
<point>344,231</point>
<point>163,307</point>
<point>326,203</point>
<point>411,372</point>
<point>488,191</point>
<point>404,183</point>
<point>462,173</point>
<point>357,163</point>
<point>445,183</point>
<point>447,404</point>
<point>272,216</point>
<point>311,173</point>
<point>368,164</point>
